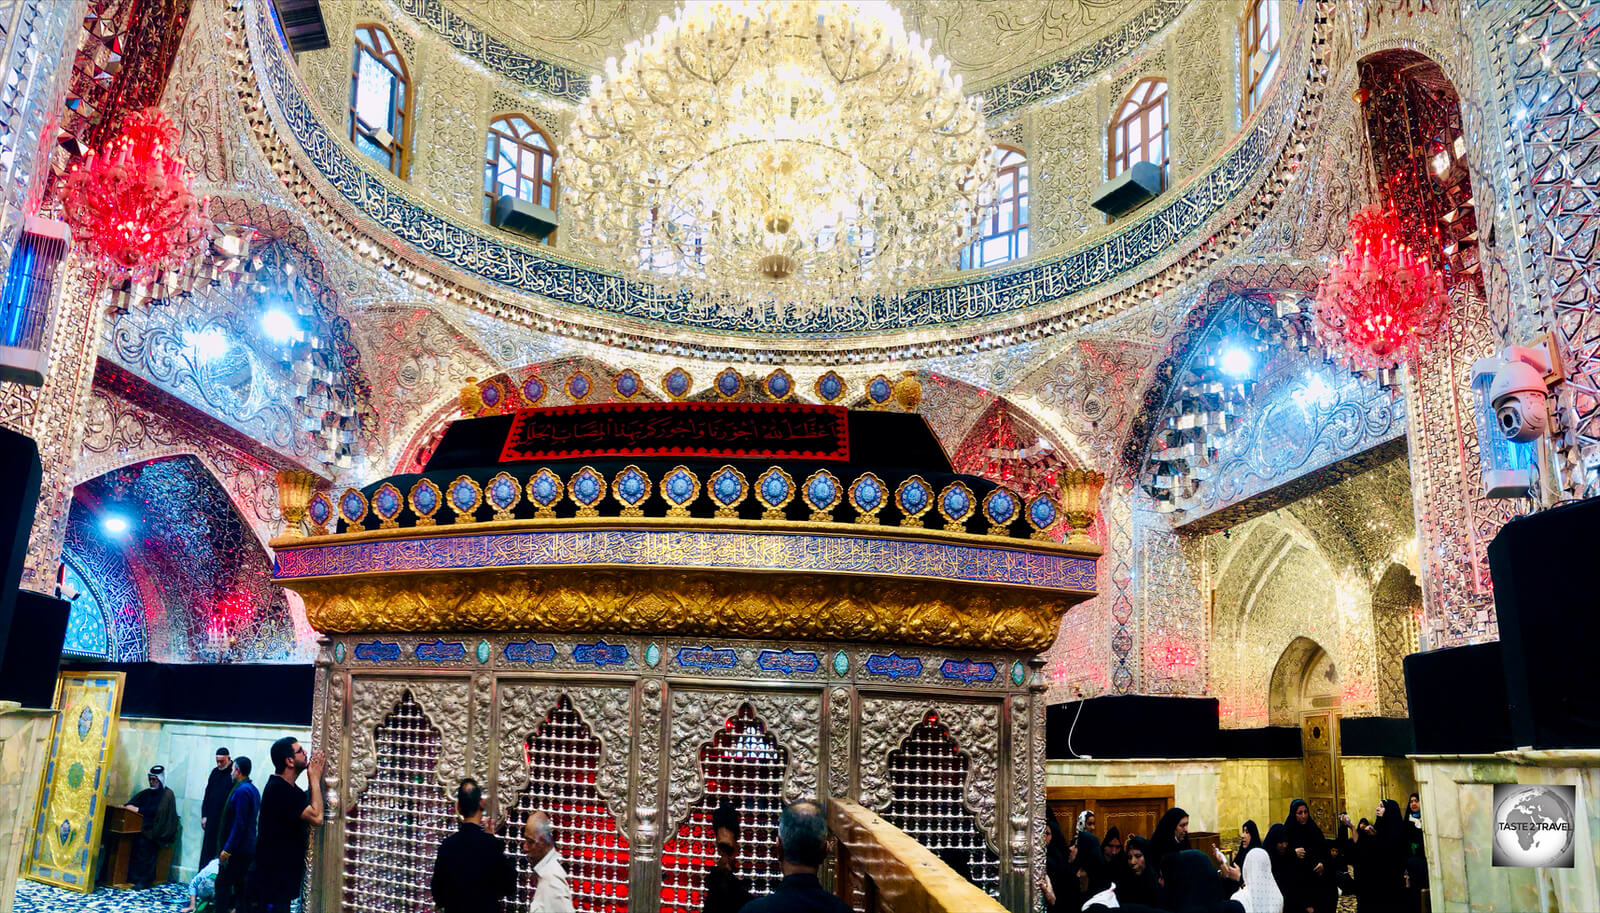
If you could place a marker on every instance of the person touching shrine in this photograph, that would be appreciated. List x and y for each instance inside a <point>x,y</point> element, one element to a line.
<point>471,873</point>
<point>218,785</point>
<point>725,891</point>
<point>287,815</point>
<point>551,892</point>
<point>157,805</point>
<point>237,847</point>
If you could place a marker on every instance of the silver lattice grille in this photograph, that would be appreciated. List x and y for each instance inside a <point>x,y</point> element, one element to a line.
<point>928,773</point>
<point>563,757</point>
<point>394,831</point>
<point>744,765</point>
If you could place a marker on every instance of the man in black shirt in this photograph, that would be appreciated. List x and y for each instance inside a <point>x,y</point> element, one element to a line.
<point>217,789</point>
<point>802,847</point>
<point>159,807</point>
<point>726,892</point>
<point>287,816</point>
<point>471,873</point>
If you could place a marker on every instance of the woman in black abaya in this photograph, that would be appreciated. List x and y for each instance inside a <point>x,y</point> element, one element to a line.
<point>1381,851</point>
<point>1171,836</point>
<point>1314,889</point>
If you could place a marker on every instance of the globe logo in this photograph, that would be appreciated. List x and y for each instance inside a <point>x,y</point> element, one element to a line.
<point>1534,825</point>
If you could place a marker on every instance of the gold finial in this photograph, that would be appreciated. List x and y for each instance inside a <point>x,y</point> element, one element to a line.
<point>294,494</point>
<point>471,397</point>
<point>908,391</point>
<point>1080,502</point>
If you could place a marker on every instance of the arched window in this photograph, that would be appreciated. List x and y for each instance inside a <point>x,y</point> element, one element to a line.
<point>380,99</point>
<point>519,159</point>
<point>1139,130</point>
<point>1003,232</point>
<point>1258,52</point>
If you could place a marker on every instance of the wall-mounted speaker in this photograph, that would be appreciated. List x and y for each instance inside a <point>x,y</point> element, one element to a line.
<point>513,213</point>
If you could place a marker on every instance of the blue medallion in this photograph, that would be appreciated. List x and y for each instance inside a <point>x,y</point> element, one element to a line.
<point>822,491</point>
<point>544,491</point>
<point>425,498</point>
<point>879,390</point>
<point>841,663</point>
<point>1001,507</point>
<point>893,666</point>
<point>502,493</point>
<point>867,494</point>
<point>529,652</point>
<point>729,383</point>
<point>85,721</point>
<point>440,651</point>
<point>353,505</point>
<point>677,383</point>
<point>386,503</point>
<point>652,655</point>
<point>627,384</point>
<point>533,390</point>
<point>600,653</point>
<point>708,658</point>
<point>1018,674</point>
<point>586,488</point>
<point>631,487</point>
<point>464,497</point>
<point>788,661</point>
<point>830,387</point>
<point>679,488</point>
<point>320,510</point>
<point>579,385</point>
<point>779,384</point>
<point>1042,512</point>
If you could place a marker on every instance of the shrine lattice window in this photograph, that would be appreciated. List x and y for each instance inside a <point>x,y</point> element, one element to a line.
<point>928,774</point>
<point>1139,131</point>
<point>394,830</point>
<point>563,758</point>
<point>380,99</point>
<point>1003,231</point>
<point>742,764</point>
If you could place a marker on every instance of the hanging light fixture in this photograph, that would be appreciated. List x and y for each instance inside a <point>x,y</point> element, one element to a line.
<point>1381,302</point>
<point>779,159</point>
<point>130,204</point>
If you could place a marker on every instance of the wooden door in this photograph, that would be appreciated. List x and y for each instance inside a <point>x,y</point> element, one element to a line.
<point>1130,809</point>
<point>1319,744</point>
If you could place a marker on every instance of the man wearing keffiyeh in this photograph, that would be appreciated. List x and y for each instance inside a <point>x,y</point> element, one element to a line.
<point>159,808</point>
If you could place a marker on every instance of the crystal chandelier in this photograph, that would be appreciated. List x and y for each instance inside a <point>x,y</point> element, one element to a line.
<point>779,159</point>
<point>1381,302</point>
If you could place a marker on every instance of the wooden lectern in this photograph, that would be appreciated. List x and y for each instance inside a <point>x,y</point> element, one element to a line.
<point>120,834</point>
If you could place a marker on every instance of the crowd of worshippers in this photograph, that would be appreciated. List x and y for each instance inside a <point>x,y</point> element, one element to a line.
<point>473,874</point>
<point>253,848</point>
<point>1296,868</point>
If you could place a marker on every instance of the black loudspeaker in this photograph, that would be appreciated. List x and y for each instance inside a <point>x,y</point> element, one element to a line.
<point>513,213</point>
<point>1458,700</point>
<point>33,652</point>
<point>20,473</point>
<point>1545,601</point>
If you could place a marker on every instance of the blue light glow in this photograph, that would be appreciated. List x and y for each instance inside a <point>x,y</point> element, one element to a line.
<point>279,326</point>
<point>114,525</point>
<point>209,343</point>
<point>1236,362</point>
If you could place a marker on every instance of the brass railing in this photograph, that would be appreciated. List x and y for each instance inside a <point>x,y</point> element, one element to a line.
<point>882,869</point>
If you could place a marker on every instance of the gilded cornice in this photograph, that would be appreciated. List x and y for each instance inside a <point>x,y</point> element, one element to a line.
<point>788,607</point>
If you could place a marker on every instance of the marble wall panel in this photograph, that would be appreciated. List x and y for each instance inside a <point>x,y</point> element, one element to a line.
<point>188,751</point>
<point>23,737</point>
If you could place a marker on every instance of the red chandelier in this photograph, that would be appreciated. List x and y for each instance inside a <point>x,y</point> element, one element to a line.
<point>130,204</point>
<point>1380,302</point>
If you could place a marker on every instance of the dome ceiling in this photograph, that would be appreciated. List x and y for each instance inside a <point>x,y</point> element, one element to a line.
<point>986,40</point>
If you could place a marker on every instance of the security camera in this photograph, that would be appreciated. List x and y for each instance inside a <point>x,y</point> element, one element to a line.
<point>1518,397</point>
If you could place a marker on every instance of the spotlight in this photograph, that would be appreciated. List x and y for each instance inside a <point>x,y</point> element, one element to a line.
<point>207,344</point>
<point>1235,362</point>
<point>114,525</point>
<point>279,325</point>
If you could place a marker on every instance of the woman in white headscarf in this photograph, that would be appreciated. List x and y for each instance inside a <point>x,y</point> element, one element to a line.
<point>1260,893</point>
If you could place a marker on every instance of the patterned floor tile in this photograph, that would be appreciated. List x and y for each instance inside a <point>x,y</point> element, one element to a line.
<point>33,897</point>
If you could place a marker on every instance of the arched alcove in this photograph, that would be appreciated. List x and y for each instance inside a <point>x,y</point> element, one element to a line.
<point>172,572</point>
